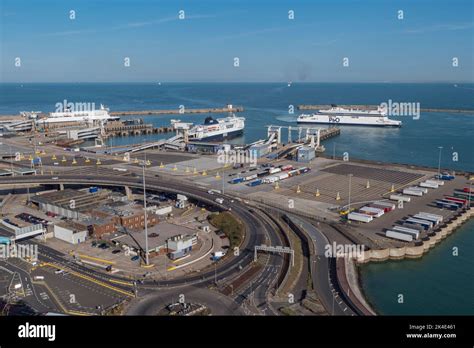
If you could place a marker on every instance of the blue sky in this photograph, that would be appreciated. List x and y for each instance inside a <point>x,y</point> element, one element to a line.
<point>270,47</point>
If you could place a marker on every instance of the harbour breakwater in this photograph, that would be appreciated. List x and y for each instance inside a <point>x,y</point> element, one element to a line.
<point>374,107</point>
<point>180,110</point>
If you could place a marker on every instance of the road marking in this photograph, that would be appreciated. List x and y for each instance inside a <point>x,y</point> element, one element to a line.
<point>98,282</point>
<point>94,258</point>
<point>120,282</point>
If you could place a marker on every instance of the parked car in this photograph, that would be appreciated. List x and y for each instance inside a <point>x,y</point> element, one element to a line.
<point>135,258</point>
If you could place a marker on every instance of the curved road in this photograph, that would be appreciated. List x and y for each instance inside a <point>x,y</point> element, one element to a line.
<point>254,236</point>
<point>152,303</point>
<point>321,271</point>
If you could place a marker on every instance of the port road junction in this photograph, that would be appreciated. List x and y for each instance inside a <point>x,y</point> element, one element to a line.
<point>257,232</point>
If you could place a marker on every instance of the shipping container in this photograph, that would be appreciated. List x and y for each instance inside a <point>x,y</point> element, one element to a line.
<point>411,192</point>
<point>438,182</point>
<point>270,179</point>
<point>359,217</point>
<point>459,204</point>
<point>274,170</point>
<point>262,173</point>
<point>250,177</point>
<point>384,208</point>
<point>375,212</point>
<point>294,172</point>
<point>428,184</point>
<point>439,217</point>
<point>414,227</point>
<point>432,219</point>
<point>283,176</point>
<point>445,177</point>
<point>453,199</point>
<point>303,170</point>
<point>417,188</point>
<point>398,235</point>
<point>468,189</point>
<point>462,194</point>
<point>236,180</point>
<point>255,183</point>
<point>424,223</point>
<point>447,205</point>
<point>400,198</point>
<point>286,168</point>
<point>411,231</point>
<point>387,206</point>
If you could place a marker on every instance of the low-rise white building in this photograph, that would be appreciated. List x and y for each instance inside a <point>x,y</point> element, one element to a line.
<point>181,242</point>
<point>164,210</point>
<point>70,232</point>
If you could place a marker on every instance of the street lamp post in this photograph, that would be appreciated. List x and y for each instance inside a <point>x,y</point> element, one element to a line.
<point>470,189</point>
<point>11,158</point>
<point>439,161</point>
<point>223,175</point>
<point>146,216</point>
<point>215,272</point>
<point>350,185</point>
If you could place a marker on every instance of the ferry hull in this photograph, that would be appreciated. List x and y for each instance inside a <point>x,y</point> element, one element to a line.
<point>351,124</point>
<point>350,117</point>
<point>221,136</point>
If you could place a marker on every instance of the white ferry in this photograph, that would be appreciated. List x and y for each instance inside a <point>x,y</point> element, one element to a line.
<point>356,117</point>
<point>213,129</point>
<point>69,116</point>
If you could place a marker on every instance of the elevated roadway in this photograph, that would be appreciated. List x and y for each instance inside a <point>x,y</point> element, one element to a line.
<point>255,228</point>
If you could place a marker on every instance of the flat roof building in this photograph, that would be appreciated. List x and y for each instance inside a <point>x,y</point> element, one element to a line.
<point>70,203</point>
<point>71,232</point>
<point>158,237</point>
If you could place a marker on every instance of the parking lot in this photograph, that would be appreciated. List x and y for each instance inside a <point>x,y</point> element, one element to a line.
<point>76,293</point>
<point>373,233</point>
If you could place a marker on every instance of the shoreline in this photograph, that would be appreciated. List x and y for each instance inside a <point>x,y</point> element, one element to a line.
<point>415,252</point>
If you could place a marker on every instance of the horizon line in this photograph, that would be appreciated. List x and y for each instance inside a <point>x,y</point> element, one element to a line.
<point>234,82</point>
